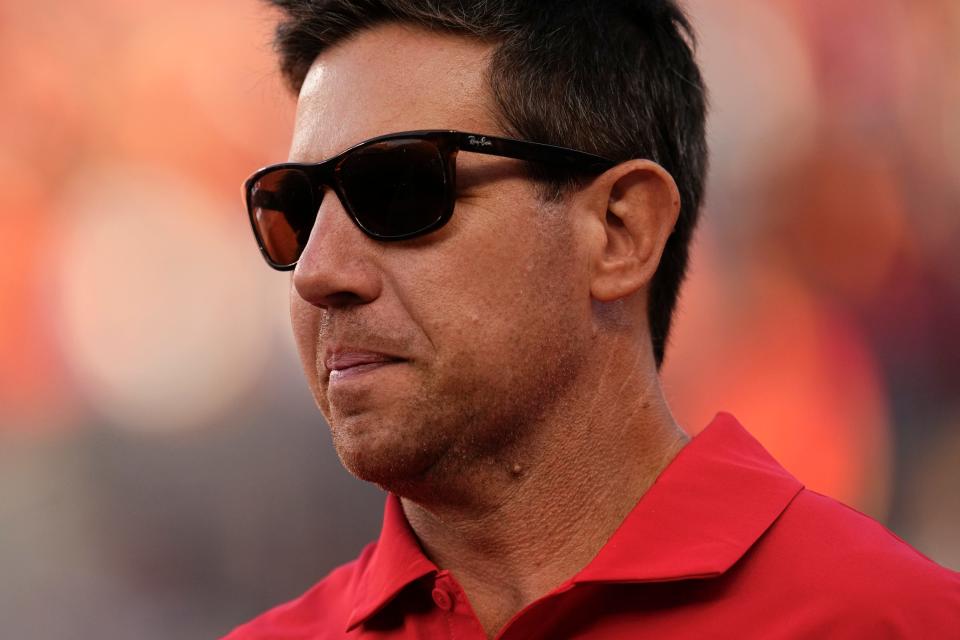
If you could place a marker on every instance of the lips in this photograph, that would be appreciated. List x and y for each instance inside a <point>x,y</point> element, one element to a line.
<point>349,362</point>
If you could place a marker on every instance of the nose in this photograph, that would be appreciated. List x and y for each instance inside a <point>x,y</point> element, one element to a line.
<point>338,266</point>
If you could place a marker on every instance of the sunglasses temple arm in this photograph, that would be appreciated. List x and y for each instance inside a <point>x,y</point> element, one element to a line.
<point>533,152</point>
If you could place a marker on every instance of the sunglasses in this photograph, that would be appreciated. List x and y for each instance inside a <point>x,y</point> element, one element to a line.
<point>393,187</point>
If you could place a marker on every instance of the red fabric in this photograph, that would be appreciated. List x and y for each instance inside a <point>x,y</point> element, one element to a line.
<point>726,543</point>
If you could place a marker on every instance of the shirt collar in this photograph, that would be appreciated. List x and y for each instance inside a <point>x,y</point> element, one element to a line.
<point>701,515</point>
<point>396,561</point>
<point>703,512</point>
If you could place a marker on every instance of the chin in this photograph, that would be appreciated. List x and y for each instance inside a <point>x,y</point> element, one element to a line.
<point>389,454</point>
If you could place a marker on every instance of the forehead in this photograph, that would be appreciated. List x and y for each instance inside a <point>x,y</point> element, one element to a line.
<point>391,78</point>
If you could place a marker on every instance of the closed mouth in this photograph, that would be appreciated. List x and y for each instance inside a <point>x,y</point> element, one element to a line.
<point>339,374</point>
<point>342,364</point>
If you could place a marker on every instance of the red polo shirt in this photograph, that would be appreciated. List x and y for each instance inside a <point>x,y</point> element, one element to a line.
<point>725,544</point>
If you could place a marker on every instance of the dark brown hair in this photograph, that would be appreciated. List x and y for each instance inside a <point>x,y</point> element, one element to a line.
<point>616,78</point>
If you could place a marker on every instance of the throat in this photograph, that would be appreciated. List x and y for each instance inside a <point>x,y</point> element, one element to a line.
<point>543,524</point>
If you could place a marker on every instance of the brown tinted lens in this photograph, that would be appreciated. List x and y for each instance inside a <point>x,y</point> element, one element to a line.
<point>283,207</point>
<point>395,188</point>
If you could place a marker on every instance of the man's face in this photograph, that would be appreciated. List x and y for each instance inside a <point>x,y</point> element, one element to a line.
<point>460,339</point>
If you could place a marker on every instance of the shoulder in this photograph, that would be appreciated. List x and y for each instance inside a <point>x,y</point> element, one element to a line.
<point>844,565</point>
<point>319,613</point>
<point>817,526</point>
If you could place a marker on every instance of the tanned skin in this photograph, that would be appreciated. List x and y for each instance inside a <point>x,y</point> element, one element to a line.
<point>516,408</point>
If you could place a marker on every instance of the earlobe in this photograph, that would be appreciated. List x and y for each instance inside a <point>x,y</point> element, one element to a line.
<point>642,205</point>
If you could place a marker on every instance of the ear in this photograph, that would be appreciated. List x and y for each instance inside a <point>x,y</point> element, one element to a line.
<point>634,207</point>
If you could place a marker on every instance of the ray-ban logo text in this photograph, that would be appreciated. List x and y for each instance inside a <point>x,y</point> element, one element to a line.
<point>479,142</point>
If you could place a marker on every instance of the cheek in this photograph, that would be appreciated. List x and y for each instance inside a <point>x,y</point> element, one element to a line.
<point>496,298</point>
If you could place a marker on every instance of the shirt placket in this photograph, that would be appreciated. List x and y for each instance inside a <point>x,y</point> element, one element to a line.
<point>452,604</point>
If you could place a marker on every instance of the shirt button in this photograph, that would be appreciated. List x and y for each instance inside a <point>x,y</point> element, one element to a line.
<point>443,599</point>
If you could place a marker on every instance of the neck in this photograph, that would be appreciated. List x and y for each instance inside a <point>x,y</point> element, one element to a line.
<point>539,513</point>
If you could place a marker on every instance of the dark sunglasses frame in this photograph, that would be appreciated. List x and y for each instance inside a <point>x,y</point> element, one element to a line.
<point>447,143</point>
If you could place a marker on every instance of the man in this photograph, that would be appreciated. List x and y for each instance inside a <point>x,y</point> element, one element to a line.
<point>481,320</point>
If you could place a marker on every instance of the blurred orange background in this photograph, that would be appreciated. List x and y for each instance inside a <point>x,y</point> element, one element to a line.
<point>163,470</point>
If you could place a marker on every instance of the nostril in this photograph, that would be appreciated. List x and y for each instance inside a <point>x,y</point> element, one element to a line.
<point>342,299</point>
